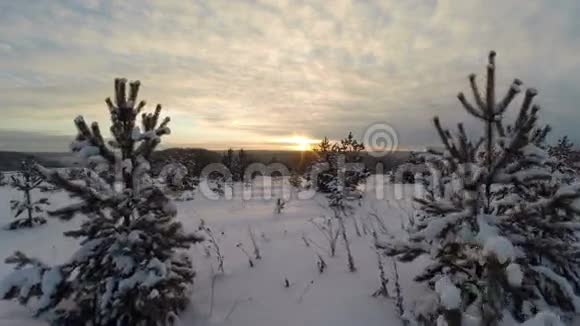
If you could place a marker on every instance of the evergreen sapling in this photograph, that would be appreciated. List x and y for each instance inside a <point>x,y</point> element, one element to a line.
<point>26,180</point>
<point>131,267</point>
<point>500,227</point>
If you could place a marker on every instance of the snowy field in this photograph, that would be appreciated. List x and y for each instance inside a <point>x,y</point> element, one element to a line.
<point>256,296</point>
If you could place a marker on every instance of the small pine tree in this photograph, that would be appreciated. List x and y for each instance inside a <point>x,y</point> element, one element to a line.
<point>295,180</point>
<point>340,160</point>
<point>324,148</point>
<point>26,180</point>
<point>562,150</point>
<point>2,179</point>
<point>176,173</point>
<point>339,172</point>
<point>129,269</point>
<point>563,154</point>
<point>500,227</point>
<point>172,176</point>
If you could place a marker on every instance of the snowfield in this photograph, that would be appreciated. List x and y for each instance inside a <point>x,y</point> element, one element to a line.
<point>245,296</point>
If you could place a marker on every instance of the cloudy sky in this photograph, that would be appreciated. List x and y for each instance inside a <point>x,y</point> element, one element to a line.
<point>254,73</point>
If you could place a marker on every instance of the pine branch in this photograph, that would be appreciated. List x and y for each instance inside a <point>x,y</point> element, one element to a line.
<point>468,107</point>
<point>490,89</point>
<point>510,95</point>
<point>476,94</point>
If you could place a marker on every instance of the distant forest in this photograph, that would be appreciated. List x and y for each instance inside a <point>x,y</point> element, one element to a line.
<point>294,160</point>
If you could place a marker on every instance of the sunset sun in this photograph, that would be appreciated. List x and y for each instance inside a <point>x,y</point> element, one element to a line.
<point>299,143</point>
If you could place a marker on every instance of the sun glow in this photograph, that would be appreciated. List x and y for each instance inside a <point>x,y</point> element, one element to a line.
<point>299,143</point>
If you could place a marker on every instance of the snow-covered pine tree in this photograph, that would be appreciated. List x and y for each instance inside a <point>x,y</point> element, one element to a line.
<point>332,159</point>
<point>2,179</point>
<point>176,173</point>
<point>26,180</point>
<point>562,150</point>
<point>563,154</point>
<point>190,180</point>
<point>338,173</point>
<point>295,180</point>
<point>500,228</point>
<point>172,176</point>
<point>130,268</point>
<point>188,186</point>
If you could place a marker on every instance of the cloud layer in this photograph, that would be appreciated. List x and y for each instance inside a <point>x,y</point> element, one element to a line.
<point>248,73</point>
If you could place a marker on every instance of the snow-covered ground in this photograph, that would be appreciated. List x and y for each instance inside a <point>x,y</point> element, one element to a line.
<point>257,296</point>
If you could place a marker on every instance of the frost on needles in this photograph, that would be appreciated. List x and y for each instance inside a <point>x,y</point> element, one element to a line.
<point>498,222</point>
<point>131,267</point>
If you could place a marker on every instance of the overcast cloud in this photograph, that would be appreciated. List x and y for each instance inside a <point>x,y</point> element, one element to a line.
<point>248,73</point>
